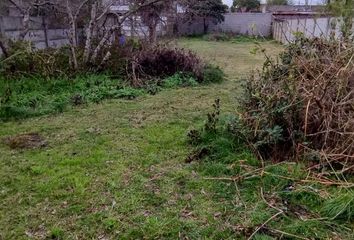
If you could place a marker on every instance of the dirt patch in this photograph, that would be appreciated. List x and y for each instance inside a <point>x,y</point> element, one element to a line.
<point>26,141</point>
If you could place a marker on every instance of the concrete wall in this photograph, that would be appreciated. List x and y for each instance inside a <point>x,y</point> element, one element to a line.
<point>253,24</point>
<point>44,35</point>
<point>39,34</point>
<point>284,30</point>
<point>196,27</point>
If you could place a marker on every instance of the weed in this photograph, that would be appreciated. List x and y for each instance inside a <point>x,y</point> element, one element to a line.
<point>341,206</point>
<point>233,38</point>
<point>262,189</point>
<point>213,74</point>
<point>131,183</point>
<point>213,118</point>
<point>179,80</point>
<point>36,96</point>
<point>56,234</point>
<point>110,224</point>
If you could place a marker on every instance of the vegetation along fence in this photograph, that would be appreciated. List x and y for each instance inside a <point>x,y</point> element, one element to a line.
<point>285,30</point>
<point>40,33</point>
<point>254,24</point>
<point>251,24</point>
<point>43,33</point>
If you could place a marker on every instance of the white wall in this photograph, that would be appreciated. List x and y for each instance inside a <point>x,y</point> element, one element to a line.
<point>255,24</point>
<point>284,31</point>
<point>302,2</point>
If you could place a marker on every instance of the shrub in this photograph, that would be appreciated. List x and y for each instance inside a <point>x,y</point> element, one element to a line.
<point>218,36</point>
<point>179,80</point>
<point>36,82</point>
<point>234,38</point>
<point>132,61</point>
<point>213,74</point>
<point>121,58</point>
<point>24,60</point>
<point>27,97</point>
<point>162,62</point>
<point>303,104</point>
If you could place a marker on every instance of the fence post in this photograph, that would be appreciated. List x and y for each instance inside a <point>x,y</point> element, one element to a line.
<point>45,30</point>
<point>2,27</point>
<point>2,34</point>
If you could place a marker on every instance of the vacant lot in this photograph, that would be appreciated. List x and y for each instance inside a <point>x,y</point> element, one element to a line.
<point>116,170</point>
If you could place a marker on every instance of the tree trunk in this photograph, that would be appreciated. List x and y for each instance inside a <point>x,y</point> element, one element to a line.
<point>74,62</point>
<point>103,42</point>
<point>105,59</point>
<point>3,49</point>
<point>89,33</point>
<point>26,24</point>
<point>45,29</point>
<point>152,32</point>
<point>73,32</point>
<point>206,26</point>
<point>72,36</point>
<point>73,42</point>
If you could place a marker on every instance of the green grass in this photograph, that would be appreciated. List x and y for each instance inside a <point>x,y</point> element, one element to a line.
<point>29,97</point>
<point>116,170</point>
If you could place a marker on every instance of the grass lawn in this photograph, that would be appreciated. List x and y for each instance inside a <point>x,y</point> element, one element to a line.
<point>116,170</point>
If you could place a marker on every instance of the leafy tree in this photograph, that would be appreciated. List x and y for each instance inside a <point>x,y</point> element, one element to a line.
<point>247,4</point>
<point>213,10</point>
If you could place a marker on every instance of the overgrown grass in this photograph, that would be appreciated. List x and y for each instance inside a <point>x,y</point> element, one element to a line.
<point>28,97</point>
<point>231,38</point>
<point>282,198</point>
<point>116,170</point>
<point>36,96</point>
<point>307,207</point>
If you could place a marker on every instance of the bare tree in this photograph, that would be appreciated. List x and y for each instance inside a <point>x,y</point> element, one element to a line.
<point>26,8</point>
<point>135,7</point>
<point>152,15</point>
<point>91,14</point>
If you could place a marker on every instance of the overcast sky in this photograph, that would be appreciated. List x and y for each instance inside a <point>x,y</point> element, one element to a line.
<point>229,2</point>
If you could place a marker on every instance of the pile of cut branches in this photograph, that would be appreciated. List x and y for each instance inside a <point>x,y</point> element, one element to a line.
<point>303,105</point>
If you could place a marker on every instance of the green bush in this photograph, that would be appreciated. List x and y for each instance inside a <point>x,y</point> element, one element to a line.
<point>179,80</point>
<point>218,36</point>
<point>234,38</point>
<point>36,82</point>
<point>27,97</point>
<point>298,106</point>
<point>25,61</point>
<point>213,74</point>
